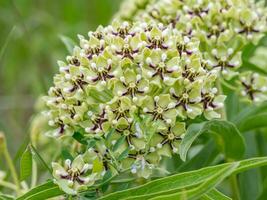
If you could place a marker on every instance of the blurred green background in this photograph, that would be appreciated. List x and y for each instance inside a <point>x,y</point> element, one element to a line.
<point>30,47</point>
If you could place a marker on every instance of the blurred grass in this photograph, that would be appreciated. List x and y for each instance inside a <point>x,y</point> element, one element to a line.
<point>30,45</point>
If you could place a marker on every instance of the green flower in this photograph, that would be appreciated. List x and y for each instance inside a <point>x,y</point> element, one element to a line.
<point>166,142</point>
<point>187,98</point>
<point>131,84</point>
<point>225,59</point>
<point>158,68</point>
<point>161,108</point>
<point>76,175</point>
<point>253,86</point>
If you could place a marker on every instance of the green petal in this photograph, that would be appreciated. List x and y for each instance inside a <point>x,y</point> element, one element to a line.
<point>78,162</point>
<point>130,76</point>
<point>179,128</point>
<point>164,100</point>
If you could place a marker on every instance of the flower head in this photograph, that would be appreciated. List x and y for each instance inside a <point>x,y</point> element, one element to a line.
<point>130,88</point>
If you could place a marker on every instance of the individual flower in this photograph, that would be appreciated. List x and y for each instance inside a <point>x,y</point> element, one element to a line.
<point>77,175</point>
<point>161,108</point>
<point>253,86</point>
<point>166,142</point>
<point>187,100</point>
<point>225,60</point>
<point>131,84</point>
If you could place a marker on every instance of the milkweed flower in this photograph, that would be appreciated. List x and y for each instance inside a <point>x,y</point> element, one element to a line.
<point>253,86</point>
<point>217,25</point>
<point>131,89</point>
<point>78,174</point>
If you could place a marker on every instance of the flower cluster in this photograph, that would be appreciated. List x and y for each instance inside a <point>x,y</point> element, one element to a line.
<point>131,88</point>
<point>253,86</point>
<point>223,27</point>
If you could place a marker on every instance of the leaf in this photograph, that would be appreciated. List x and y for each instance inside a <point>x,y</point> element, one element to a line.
<point>201,159</point>
<point>248,66</point>
<point>253,122</point>
<point>26,164</point>
<point>44,191</point>
<point>206,186</point>
<point>6,197</point>
<point>215,195</point>
<point>106,177</point>
<point>250,181</point>
<point>182,181</point>
<point>79,137</point>
<point>124,154</point>
<point>65,154</point>
<point>118,143</point>
<point>250,111</point>
<point>227,136</point>
<point>39,157</point>
<point>68,42</point>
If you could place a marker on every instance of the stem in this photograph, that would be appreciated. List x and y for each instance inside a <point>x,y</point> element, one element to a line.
<point>8,185</point>
<point>220,91</point>
<point>233,178</point>
<point>34,174</point>
<point>10,164</point>
<point>234,187</point>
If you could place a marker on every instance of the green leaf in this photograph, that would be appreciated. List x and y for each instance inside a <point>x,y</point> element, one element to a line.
<point>201,159</point>
<point>226,135</point>
<point>118,143</point>
<point>183,181</point>
<point>68,42</point>
<point>79,137</point>
<point>124,154</point>
<point>206,186</point>
<point>44,191</point>
<point>65,154</point>
<point>250,111</point>
<point>6,197</point>
<point>248,66</point>
<point>215,195</point>
<point>39,158</point>
<point>26,164</point>
<point>253,122</point>
<point>106,179</point>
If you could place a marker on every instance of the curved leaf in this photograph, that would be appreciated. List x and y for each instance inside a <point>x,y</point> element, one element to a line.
<point>227,136</point>
<point>26,164</point>
<point>250,111</point>
<point>181,181</point>
<point>44,191</point>
<point>253,122</point>
<point>215,195</point>
<point>206,186</point>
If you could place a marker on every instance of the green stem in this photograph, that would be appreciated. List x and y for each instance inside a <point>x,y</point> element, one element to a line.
<point>10,164</point>
<point>220,91</point>
<point>233,178</point>
<point>234,187</point>
<point>8,185</point>
<point>34,174</point>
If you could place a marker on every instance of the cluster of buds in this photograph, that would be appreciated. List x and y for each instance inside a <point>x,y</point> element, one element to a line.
<point>253,86</point>
<point>217,24</point>
<point>132,88</point>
